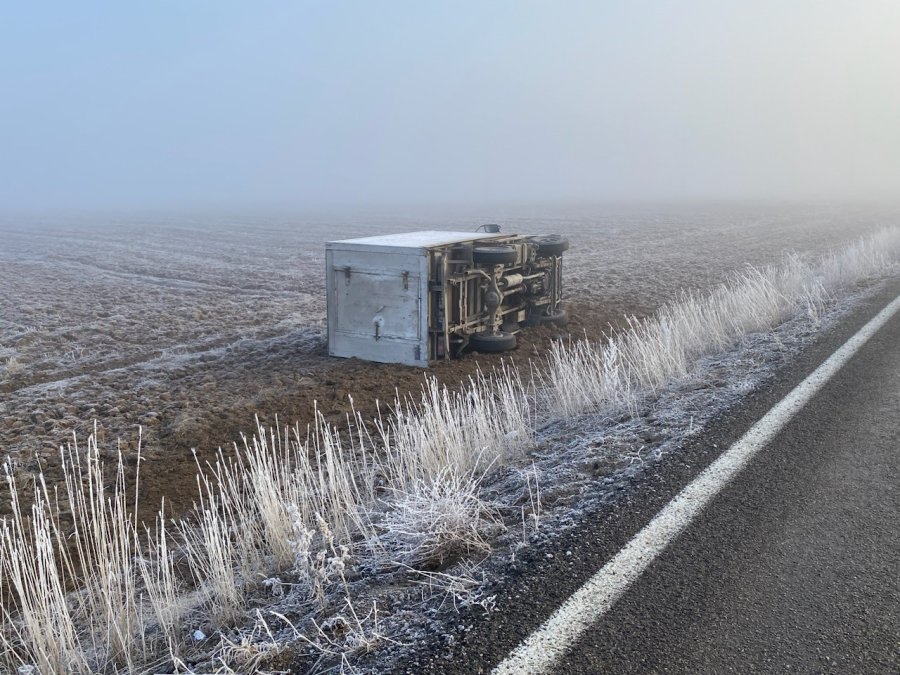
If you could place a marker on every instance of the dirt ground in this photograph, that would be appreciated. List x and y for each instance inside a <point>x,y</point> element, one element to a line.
<point>189,329</point>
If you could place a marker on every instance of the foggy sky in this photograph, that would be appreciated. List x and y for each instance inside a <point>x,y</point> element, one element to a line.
<point>308,104</point>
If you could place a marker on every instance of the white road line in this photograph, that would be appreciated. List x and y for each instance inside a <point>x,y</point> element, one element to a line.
<point>537,653</point>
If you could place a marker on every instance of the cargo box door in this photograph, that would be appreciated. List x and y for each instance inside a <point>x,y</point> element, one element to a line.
<point>379,305</point>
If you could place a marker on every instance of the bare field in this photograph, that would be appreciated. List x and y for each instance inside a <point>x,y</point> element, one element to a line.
<point>189,329</point>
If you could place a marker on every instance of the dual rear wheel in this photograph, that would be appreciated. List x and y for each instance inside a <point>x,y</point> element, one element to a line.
<point>548,246</point>
<point>492,343</point>
<point>558,318</point>
<point>495,255</point>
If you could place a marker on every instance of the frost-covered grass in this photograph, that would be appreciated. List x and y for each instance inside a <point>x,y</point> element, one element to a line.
<point>400,491</point>
<point>293,501</point>
<point>613,373</point>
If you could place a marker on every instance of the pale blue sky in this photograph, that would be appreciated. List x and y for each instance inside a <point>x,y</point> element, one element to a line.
<point>258,105</point>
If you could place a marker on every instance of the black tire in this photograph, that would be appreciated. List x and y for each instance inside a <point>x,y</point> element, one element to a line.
<point>492,342</point>
<point>495,255</point>
<point>551,245</point>
<point>560,318</point>
<point>538,318</point>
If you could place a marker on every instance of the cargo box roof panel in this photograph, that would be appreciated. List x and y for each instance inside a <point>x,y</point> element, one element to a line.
<point>415,240</point>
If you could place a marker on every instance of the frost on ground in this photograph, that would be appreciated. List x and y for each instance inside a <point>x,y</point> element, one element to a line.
<point>334,544</point>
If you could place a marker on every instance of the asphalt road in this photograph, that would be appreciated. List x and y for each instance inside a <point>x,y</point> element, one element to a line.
<point>796,566</point>
<point>793,568</point>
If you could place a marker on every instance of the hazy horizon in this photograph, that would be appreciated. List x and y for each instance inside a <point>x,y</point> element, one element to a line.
<point>305,107</point>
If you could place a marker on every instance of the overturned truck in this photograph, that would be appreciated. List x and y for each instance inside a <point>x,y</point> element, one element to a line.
<point>417,297</point>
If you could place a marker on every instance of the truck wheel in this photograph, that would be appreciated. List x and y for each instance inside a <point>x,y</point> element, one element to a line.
<point>492,342</point>
<point>495,255</point>
<point>560,318</point>
<point>538,318</point>
<point>551,244</point>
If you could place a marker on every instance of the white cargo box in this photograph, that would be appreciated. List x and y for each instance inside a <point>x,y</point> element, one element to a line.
<point>421,296</point>
<point>378,294</point>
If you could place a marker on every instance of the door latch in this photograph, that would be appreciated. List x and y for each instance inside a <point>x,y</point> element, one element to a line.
<point>378,320</point>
